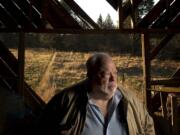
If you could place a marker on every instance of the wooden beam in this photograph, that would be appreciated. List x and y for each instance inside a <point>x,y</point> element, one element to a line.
<point>29,96</point>
<point>153,14</point>
<point>21,18</point>
<point>92,31</point>
<point>9,79</point>
<point>59,17</point>
<point>8,58</point>
<point>175,107</point>
<point>146,69</point>
<point>9,72</point>
<point>120,13</point>
<point>168,89</point>
<point>21,57</point>
<point>162,44</point>
<point>31,11</point>
<point>114,3</point>
<point>77,9</point>
<point>170,13</point>
<point>7,19</point>
<point>127,8</point>
<point>175,23</point>
<point>176,75</point>
<point>167,82</point>
<point>6,72</point>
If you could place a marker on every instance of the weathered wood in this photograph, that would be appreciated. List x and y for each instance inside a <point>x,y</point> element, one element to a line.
<point>175,23</point>
<point>162,44</point>
<point>176,74</point>
<point>146,69</point>
<point>153,14</point>
<point>18,15</point>
<point>120,13</point>
<point>10,80</point>
<point>7,19</point>
<point>31,11</point>
<point>75,7</point>
<point>167,89</point>
<point>167,82</point>
<point>114,3</point>
<point>9,58</point>
<point>167,16</point>
<point>175,114</point>
<point>9,74</point>
<point>59,17</point>
<point>21,57</point>
<point>92,31</point>
<point>127,8</point>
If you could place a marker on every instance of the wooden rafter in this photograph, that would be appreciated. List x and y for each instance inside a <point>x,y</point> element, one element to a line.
<point>176,74</point>
<point>153,14</point>
<point>168,90</point>
<point>59,17</point>
<point>77,9</point>
<point>31,11</point>
<point>162,44</point>
<point>9,73</point>
<point>167,82</point>
<point>126,9</point>
<point>169,14</point>
<point>7,19</point>
<point>17,13</point>
<point>113,3</point>
<point>175,22</point>
<point>7,56</point>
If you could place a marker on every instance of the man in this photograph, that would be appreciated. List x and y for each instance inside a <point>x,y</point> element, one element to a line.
<point>96,106</point>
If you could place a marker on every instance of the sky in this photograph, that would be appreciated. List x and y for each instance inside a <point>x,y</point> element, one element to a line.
<point>96,7</point>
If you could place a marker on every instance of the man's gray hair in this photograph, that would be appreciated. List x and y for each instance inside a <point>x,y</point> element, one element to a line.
<point>95,62</point>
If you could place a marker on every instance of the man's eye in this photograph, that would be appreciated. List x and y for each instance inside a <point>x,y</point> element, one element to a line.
<point>106,74</point>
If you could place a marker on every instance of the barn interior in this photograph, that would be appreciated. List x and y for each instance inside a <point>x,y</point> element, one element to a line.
<point>55,17</point>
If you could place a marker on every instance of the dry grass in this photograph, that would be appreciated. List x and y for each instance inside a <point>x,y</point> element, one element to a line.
<point>68,68</point>
<point>36,61</point>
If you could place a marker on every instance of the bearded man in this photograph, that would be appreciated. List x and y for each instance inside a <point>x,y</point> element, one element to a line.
<point>96,106</point>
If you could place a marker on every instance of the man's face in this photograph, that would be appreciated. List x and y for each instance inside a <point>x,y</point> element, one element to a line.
<point>105,81</point>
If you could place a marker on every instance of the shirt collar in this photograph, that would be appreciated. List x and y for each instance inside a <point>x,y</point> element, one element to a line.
<point>115,99</point>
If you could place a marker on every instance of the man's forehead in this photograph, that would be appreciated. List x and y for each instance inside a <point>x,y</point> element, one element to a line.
<point>108,65</point>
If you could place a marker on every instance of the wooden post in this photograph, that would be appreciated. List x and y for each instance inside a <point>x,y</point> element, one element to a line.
<point>21,62</point>
<point>120,14</point>
<point>146,69</point>
<point>175,115</point>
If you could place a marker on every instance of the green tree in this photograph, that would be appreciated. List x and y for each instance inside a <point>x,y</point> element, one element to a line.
<point>108,23</point>
<point>100,21</point>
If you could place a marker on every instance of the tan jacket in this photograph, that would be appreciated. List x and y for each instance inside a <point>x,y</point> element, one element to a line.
<point>65,114</point>
<point>138,119</point>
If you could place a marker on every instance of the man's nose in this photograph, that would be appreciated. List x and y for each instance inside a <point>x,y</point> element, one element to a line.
<point>112,77</point>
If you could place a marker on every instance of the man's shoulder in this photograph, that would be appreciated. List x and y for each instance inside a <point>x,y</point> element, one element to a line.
<point>73,89</point>
<point>130,96</point>
<point>78,85</point>
<point>68,94</point>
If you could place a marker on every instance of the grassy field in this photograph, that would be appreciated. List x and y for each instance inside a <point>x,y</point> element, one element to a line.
<point>48,71</point>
